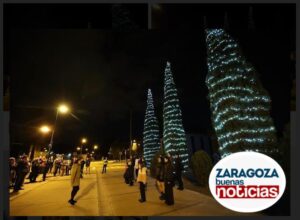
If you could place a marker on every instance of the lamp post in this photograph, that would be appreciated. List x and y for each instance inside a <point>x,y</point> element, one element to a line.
<point>134,146</point>
<point>95,148</point>
<point>83,141</point>
<point>63,109</point>
<point>45,129</point>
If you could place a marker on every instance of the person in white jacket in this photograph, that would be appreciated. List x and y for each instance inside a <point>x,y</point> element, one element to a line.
<point>136,168</point>
<point>142,179</point>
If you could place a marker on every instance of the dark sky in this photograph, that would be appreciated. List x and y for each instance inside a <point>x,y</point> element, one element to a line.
<point>53,57</point>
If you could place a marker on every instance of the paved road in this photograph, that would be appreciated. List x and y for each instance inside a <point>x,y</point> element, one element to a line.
<point>107,195</point>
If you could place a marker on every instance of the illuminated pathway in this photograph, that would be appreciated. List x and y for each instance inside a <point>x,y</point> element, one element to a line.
<point>107,194</point>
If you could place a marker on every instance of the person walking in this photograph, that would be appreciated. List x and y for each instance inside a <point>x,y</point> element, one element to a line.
<point>105,162</point>
<point>75,179</point>
<point>168,180</point>
<point>142,180</point>
<point>178,171</point>
<point>160,177</point>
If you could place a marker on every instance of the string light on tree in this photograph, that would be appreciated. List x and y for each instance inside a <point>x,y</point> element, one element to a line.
<point>173,134</point>
<point>240,105</point>
<point>151,131</point>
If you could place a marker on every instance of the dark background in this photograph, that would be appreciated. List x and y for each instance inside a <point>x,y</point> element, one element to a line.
<point>67,53</point>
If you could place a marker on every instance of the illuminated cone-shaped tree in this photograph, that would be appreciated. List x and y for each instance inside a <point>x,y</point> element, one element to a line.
<point>173,136</point>
<point>239,104</point>
<point>151,132</point>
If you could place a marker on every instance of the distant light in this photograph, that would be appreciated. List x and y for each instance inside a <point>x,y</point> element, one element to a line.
<point>63,109</point>
<point>45,129</point>
<point>84,140</point>
<point>69,155</point>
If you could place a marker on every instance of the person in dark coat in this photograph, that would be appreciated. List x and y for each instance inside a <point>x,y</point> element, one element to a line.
<point>87,165</point>
<point>160,177</point>
<point>12,171</point>
<point>178,171</point>
<point>34,170</point>
<point>50,164</point>
<point>129,176</point>
<point>44,167</point>
<point>57,166</point>
<point>105,162</point>
<point>81,168</point>
<point>169,181</point>
<point>22,170</point>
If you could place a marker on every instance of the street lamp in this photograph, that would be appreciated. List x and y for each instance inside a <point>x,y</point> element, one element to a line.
<point>45,129</point>
<point>95,147</point>
<point>63,109</point>
<point>134,145</point>
<point>78,148</point>
<point>83,141</point>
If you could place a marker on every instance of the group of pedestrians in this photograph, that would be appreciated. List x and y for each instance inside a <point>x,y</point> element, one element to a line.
<point>23,168</point>
<point>168,173</point>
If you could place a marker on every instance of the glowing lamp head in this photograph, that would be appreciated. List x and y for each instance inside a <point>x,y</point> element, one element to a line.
<point>63,109</point>
<point>83,140</point>
<point>45,129</point>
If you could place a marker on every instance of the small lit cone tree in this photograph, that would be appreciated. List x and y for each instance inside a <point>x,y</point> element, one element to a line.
<point>174,138</point>
<point>239,104</point>
<point>151,132</point>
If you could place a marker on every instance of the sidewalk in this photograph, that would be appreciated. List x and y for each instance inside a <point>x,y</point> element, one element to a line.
<point>50,198</point>
<point>108,195</point>
<point>118,199</point>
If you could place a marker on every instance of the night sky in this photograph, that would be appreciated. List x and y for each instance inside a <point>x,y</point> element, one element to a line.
<point>73,56</point>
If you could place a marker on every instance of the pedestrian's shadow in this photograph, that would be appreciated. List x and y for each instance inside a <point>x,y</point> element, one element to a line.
<point>86,190</point>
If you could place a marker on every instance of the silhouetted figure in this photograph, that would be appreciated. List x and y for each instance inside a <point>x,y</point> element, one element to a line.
<point>160,177</point>
<point>81,168</point>
<point>178,171</point>
<point>169,181</point>
<point>22,170</point>
<point>104,165</point>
